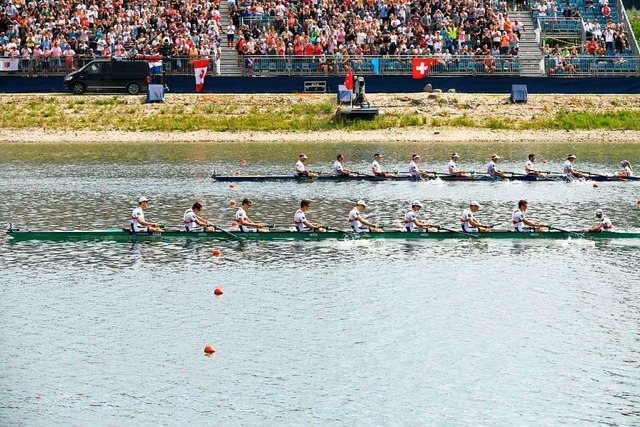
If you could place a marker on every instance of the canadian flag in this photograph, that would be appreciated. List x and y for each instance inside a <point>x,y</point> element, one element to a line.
<point>420,67</point>
<point>200,69</point>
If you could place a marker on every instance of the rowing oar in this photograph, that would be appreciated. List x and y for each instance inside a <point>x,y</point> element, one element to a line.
<point>338,230</point>
<point>451,230</point>
<point>551,227</point>
<point>218,228</point>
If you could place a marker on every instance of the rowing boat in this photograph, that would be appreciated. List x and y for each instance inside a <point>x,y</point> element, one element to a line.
<point>125,235</point>
<point>443,177</point>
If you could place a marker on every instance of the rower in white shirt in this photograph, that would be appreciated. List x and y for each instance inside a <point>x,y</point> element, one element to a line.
<point>417,173</point>
<point>469,223</point>
<point>569,170</point>
<point>357,221</point>
<point>301,222</point>
<point>301,169</point>
<point>338,170</point>
<point>377,170</point>
<point>193,222</point>
<point>627,170</point>
<point>411,221</point>
<point>138,223</point>
<point>492,170</point>
<point>530,170</point>
<point>452,166</point>
<point>603,223</point>
<point>522,224</point>
<point>244,223</point>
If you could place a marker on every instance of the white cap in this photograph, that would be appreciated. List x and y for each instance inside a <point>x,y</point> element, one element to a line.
<point>495,156</point>
<point>143,199</point>
<point>415,156</point>
<point>303,156</point>
<point>599,212</point>
<point>571,156</point>
<point>416,203</point>
<point>361,203</point>
<point>455,155</point>
<point>474,203</point>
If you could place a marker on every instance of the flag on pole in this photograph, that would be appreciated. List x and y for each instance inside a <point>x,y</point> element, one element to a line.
<point>155,67</point>
<point>420,67</point>
<point>348,81</point>
<point>7,64</point>
<point>200,70</point>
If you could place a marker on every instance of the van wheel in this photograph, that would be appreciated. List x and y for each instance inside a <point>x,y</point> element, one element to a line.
<point>78,88</point>
<point>133,88</point>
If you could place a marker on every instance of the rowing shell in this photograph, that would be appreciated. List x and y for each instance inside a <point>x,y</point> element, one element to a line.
<point>372,178</point>
<point>124,235</point>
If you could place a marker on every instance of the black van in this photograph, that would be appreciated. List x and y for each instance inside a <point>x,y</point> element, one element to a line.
<point>110,76</point>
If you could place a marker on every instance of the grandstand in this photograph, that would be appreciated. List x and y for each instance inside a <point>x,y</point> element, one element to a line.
<point>325,38</point>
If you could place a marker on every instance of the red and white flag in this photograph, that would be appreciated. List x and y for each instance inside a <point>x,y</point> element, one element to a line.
<point>420,67</point>
<point>200,69</point>
<point>348,81</point>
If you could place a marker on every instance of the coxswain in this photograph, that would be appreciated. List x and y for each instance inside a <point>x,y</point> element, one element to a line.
<point>414,172</point>
<point>193,222</point>
<point>244,223</point>
<point>377,170</point>
<point>522,224</point>
<point>138,224</point>
<point>301,169</point>
<point>569,171</point>
<point>301,222</point>
<point>452,167</point>
<point>412,223</point>
<point>358,223</point>
<point>469,222</point>
<point>338,170</point>
<point>530,170</point>
<point>603,223</point>
<point>627,170</point>
<point>492,170</point>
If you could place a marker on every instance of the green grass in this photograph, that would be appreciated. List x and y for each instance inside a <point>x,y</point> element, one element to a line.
<point>634,18</point>
<point>622,120</point>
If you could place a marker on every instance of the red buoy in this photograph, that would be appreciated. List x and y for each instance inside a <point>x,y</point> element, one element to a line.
<point>243,161</point>
<point>544,161</point>
<point>216,252</point>
<point>595,185</point>
<point>232,186</point>
<point>232,203</point>
<point>234,224</point>
<point>209,349</point>
<point>218,291</point>
<point>237,173</point>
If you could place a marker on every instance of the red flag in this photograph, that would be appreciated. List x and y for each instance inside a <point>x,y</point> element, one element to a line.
<point>200,70</point>
<point>348,81</point>
<point>420,67</point>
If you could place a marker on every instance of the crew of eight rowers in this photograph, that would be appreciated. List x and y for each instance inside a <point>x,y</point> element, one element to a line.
<point>193,222</point>
<point>452,168</point>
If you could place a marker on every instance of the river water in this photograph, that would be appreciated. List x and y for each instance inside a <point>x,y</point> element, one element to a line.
<point>447,333</point>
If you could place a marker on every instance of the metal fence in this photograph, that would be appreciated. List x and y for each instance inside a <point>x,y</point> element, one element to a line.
<point>592,66</point>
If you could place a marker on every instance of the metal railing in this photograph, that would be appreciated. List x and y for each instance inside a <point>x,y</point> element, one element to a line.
<point>561,26</point>
<point>592,66</point>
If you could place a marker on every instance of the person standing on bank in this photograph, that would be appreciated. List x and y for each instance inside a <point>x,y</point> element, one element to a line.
<point>138,223</point>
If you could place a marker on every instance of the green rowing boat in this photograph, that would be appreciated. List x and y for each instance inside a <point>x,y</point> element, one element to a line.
<point>125,235</point>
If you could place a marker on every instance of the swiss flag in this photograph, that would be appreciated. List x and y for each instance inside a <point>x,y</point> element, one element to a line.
<point>348,81</point>
<point>420,67</point>
<point>200,70</point>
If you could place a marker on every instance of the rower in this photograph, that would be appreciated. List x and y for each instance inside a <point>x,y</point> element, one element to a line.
<point>519,221</point>
<point>452,167</point>
<point>138,224</point>
<point>300,219</point>
<point>469,222</point>
<point>492,170</point>
<point>244,223</point>
<point>338,170</point>
<point>193,222</point>
<point>412,223</point>
<point>377,170</point>
<point>568,169</point>
<point>627,170</point>
<point>530,170</point>
<point>301,169</point>
<point>414,172</point>
<point>603,223</point>
<point>358,223</point>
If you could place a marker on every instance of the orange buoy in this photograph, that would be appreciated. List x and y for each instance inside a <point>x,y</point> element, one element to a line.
<point>216,252</point>
<point>232,186</point>
<point>638,202</point>
<point>544,161</point>
<point>232,203</point>
<point>209,349</point>
<point>237,173</point>
<point>234,224</point>
<point>243,161</point>
<point>218,291</point>
<point>595,185</point>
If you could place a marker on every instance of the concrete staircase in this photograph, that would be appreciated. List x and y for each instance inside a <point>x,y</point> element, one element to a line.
<point>530,52</point>
<point>229,58</point>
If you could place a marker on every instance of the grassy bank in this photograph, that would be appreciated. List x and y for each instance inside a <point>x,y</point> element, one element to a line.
<point>226,113</point>
<point>634,18</point>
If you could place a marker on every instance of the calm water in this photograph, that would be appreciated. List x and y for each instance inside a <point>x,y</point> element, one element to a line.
<point>444,333</point>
